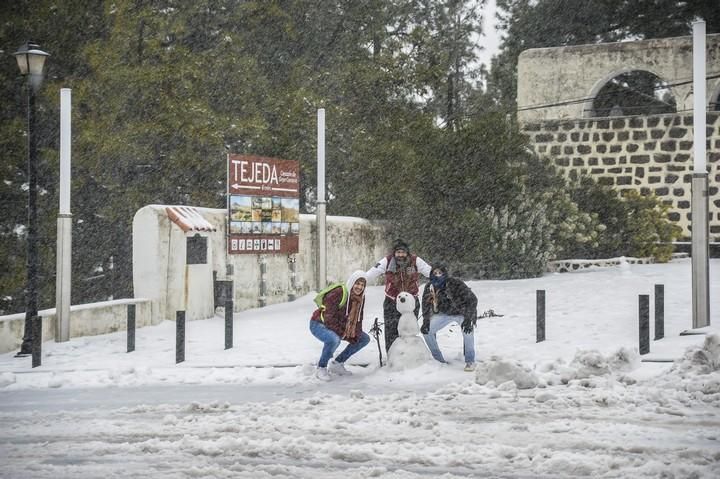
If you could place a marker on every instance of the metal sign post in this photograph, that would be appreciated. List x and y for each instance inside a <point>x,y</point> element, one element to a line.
<point>64,226</point>
<point>321,216</point>
<point>699,205</point>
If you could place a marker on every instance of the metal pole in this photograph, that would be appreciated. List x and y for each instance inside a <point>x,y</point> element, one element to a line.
<point>659,311</point>
<point>64,226</point>
<point>262,300</point>
<point>321,217</point>
<point>539,315</point>
<point>130,328</point>
<point>699,90</point>
<point>36,327</point>
<point>179,336</point>
<point>699,204</point>
<point>292,294</point>
<point>228,322</point>
<point>644,323</point>
<point>31,289</point>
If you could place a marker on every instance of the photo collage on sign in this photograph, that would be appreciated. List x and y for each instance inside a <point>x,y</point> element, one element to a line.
<point>264,215</point>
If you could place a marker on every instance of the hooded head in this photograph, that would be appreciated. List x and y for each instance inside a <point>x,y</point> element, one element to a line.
<point>438,275</point>
<point>354,277</point>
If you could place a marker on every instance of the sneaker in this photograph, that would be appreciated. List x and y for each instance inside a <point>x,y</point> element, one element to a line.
<point>469,367</point>
<point>322,374</point>
<point>338,369</point>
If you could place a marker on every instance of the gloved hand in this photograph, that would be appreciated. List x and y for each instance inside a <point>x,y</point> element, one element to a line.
<point>425,328</point>
<point>468,325</point>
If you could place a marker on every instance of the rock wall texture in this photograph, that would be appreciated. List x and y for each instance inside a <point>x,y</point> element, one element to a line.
<point>651,154</point>
<point>647,153</point>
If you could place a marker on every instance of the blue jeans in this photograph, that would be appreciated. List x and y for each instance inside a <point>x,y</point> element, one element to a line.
<point>331,342</point>
<point>439,321</point>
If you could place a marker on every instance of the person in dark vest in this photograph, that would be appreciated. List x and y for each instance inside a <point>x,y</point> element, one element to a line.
<point>402,271</point>
<point>339,317</point>
<point>448,300</point>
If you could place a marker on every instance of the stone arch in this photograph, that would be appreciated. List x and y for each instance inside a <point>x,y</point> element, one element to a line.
<point>589,109</point>
<point>558,83</point>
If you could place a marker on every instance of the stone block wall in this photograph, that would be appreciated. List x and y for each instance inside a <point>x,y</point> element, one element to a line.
<point>651,154</point>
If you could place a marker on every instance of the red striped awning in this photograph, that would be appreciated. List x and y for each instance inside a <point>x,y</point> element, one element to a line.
<point>188,219</point>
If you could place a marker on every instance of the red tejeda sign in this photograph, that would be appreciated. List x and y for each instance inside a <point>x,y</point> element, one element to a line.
<point>263,205</point>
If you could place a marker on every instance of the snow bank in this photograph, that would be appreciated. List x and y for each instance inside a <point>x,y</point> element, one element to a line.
<point>700,360</point>
<point>6,379</point>
<point>697,372</point>
<point>586,364</point>
<point>499,371</point>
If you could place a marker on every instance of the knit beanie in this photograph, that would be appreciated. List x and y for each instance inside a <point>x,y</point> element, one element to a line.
<point>400,244</point>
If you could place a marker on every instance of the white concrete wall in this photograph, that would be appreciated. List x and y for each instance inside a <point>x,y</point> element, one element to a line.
<point>159,269</point>
<point>562,74</point>
<point>85,320</point>
<point>160,272</point>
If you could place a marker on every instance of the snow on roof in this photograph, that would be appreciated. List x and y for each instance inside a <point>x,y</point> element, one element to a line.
<point>188,219</point>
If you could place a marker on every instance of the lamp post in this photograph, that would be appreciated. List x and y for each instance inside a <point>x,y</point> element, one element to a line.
<point>699,205</point>
<point>31,61</point>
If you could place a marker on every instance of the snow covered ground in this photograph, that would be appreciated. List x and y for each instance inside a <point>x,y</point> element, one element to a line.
<point>580,404</point>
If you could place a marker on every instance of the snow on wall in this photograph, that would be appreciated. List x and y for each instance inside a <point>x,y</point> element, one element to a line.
<point>160,271</point>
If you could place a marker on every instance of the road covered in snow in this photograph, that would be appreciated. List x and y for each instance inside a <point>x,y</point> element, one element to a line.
<point>593,427</point>
<point>582,404</point>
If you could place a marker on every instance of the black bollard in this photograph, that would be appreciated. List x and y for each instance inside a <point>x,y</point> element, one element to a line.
<point>644,315</point>
<point>659,311</point>
<point>130,328</point>
<point>540,316</point>
<point>36,328</point>
<point>179,336</point>
<point>228,323</point>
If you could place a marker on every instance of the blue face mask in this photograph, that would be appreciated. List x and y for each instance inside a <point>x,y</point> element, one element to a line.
<point>438,282</point>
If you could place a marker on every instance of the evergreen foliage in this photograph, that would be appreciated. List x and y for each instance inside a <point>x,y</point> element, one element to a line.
<point>633,224</point>
<point>164,89</point>
<point>492,209</point>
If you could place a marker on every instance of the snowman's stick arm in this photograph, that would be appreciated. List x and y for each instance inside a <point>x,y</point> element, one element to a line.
<point>375,330</point>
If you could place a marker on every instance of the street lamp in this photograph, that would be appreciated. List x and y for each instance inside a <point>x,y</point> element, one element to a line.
<point>31,61</point>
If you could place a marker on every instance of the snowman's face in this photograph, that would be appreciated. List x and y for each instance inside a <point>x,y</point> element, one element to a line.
<point>405,302</point>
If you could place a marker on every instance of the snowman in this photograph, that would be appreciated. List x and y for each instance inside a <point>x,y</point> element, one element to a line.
<point>408,350</point>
